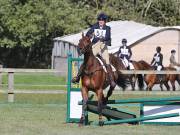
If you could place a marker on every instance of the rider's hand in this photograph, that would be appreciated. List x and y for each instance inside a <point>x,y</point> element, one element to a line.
<point>102,39</point>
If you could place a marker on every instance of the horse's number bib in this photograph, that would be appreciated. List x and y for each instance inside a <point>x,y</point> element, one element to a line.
<point>99,33</point>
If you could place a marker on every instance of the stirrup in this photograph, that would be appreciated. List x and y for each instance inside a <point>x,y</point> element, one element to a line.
<point>75,79</point>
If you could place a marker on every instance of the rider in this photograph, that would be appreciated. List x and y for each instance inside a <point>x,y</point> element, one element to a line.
<point>157,59</point>
<point>157,62</point>
<point>101,34</point>
<point>125,53</point>
<point>173,62</point>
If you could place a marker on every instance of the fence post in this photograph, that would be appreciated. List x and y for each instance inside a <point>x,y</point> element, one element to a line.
<point>0,80</point>
<point>11,87</point>
<point>69,86</point>
<point>1,76</point>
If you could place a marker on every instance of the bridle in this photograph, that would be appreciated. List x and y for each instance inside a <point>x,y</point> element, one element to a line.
<point>84,49</point>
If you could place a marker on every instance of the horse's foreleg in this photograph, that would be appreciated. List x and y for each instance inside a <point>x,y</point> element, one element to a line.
<point>173,85</point>
<point>167,86</point>
<point>140,81</point>
<point>132,81</point>
<point>149,86</point>
<point>84,116</point>
<point>161,86</point>
<point>100,97</point>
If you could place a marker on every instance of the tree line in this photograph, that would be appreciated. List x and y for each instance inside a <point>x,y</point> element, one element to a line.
<point>27,27</point>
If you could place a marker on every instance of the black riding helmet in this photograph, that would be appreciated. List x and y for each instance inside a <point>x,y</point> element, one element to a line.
<point>173,51</point>
<point>124,40</point>
<point>158,49</point>
<point>102,17</point>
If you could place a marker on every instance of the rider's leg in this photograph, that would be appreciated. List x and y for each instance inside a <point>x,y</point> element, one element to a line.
<point>126,63</point>
<point>105,56</point>
<point>131,66</point>
<point>160,76</point>
<point>96,48</point>
<point>76,79</point>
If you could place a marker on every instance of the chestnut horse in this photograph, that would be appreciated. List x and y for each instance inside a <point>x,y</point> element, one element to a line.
<point>173,78</point>
<point>95,78</point>
<point>152,79</point>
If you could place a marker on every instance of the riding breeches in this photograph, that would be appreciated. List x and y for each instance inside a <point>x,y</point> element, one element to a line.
<point>101,49</point>
<point>159,68</point>
<point>127,63</point>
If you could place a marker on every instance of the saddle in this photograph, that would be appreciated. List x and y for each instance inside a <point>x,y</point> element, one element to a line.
<point>102,62</point>
<point>128,64</point>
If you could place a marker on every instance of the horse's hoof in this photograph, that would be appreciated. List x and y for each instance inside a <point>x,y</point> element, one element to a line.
<point>80,125</point>
<point>101,123</point>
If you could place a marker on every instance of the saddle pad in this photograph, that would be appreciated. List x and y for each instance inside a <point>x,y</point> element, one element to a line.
<point>104,67</point>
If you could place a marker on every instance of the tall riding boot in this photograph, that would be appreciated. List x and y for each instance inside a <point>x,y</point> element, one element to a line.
<point>76,79</point>
<point>110,76</point>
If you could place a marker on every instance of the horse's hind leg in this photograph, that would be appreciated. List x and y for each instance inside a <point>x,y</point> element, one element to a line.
<point>109,93</point>
<point>161,86</point>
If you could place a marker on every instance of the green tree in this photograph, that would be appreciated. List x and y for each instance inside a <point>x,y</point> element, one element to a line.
<point>27,27</point>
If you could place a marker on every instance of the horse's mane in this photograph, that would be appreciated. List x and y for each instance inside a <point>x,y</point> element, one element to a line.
<point>115,61</point>
<point>170,68</point>
<point>145,64</point>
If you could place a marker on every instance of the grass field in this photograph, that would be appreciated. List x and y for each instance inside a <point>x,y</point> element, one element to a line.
<point>45,114</point>
<point>36,81</point>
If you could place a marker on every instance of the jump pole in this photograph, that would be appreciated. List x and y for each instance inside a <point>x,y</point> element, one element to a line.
<point>137,100</point>
<point>141,119</point>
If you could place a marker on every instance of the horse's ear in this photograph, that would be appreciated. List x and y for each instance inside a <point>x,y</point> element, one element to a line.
<point>82,34</point>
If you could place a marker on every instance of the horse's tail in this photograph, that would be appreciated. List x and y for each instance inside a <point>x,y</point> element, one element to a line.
<point>122,81</point>
<point>178,79</point>
<point>140,81</point>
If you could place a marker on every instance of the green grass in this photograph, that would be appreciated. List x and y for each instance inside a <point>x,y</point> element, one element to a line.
<point>36,81</point>
<point>45,114</point>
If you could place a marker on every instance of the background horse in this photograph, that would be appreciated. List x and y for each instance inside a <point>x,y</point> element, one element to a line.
<point>173,78</point>
<point>94,78</point>
<point>132,78</point>
<point>152,79</point>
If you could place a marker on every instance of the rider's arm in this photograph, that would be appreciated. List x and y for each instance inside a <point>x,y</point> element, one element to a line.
<point>130,53</point>
<point>90,32</point>
<point>161,59</point>
<point>153,60</point>
<point>107,38</point>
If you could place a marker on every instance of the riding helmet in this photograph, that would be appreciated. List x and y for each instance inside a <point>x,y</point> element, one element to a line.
<point>158,49</point>
<point>173,51</point>
<point>124,40</point>
<point>102,17</point>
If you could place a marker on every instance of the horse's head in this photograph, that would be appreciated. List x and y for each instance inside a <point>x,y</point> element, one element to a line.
<point>84,44</point>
